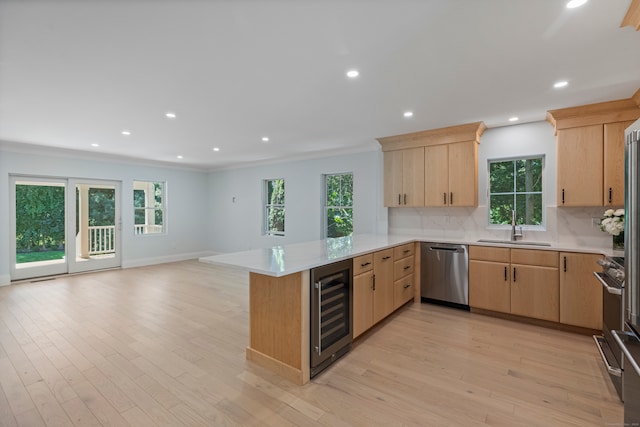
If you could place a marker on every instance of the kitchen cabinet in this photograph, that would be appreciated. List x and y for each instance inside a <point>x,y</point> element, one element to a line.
<point>451,174</point>
<point>445,160</point>
<point>373,289</point>
<point>404,177</point>
<point>403,274</point>
<point>580,291</point>
<point>590,152</point>
<point>614,163</point>
<point>523,282</point>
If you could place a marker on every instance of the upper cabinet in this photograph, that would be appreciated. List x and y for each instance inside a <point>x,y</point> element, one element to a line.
<point>590,151</point>
<point>441,164</point>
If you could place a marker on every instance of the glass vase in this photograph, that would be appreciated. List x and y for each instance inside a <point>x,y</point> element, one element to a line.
<point>618,242</point>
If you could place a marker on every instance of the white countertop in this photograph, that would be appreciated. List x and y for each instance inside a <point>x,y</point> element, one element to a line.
<point>287,259</point>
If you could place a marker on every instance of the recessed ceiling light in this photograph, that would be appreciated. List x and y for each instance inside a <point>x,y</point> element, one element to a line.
<point>126,132</point>
<point>265,139</point>
<point>408,114</point>
<point>95,144</point>
<point>560,84</point>
<point>179,157</point>
<point>575,3</point>
<point>170,115</point>
<point>513,119</point>
<point>216,149</point>
<point>353,74</point>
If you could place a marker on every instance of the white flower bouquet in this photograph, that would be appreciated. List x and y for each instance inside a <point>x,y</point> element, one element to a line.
<point>613,222</point>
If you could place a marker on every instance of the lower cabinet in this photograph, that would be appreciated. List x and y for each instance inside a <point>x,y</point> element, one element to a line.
<point>523,282</point>
<point>381,284</point>
<point>580,291</point>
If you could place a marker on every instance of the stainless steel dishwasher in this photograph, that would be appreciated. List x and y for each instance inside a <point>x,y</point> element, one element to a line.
<point>444,276</point>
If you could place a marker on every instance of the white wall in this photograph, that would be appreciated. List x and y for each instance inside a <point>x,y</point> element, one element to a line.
<point>237,225</point>
<point>187,215</point>
<point>563,225</point>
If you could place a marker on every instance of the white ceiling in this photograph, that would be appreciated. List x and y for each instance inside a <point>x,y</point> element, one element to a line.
<point>73,73</point>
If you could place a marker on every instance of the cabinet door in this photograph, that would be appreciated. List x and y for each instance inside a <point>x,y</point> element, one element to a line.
<point>413,177</point>
<point>393,178</point>
<point>580,291</point>
<point>436,175</point>
<point>383,284</point>
<point>614,163</point>
<point>403,291</point>
<point>535,292</point>
<point>463,174</point>
<point>362,302</point>
<point>580,166</point>
<point>489,285</point>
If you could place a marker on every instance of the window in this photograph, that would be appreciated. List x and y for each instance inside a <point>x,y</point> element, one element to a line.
<point>148,207</point>
<point>338,211</point>
<point>516,184</point>
<point>274,207</point>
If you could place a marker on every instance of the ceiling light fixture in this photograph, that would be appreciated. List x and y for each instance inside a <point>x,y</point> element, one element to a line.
<point>170,115</point>
<point>561,84</point>
<point>179,157</point>
<point>575,3</point>
<point>408,114</point>
<point>513,119</point>
<point>352,74</point>
<point>95,144</point>
<point>216,149</point>
<point>126,132</point>
<point>265,139</point>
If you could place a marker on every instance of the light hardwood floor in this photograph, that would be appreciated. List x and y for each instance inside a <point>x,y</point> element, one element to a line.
<point>165,345</point>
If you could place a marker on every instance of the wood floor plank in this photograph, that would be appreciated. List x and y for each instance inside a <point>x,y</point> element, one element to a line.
<point>165,345</point>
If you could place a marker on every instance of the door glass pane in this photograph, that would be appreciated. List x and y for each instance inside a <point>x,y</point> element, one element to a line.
<point>40,223</point>
<point>95,221</point>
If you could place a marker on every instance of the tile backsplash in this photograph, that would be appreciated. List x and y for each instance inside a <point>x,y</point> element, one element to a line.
<point>571,226</point>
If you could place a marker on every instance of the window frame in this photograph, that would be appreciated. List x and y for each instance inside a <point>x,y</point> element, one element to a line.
<point>326,207</point>
<point>147,209</point>
<point>542,192</point>
<point>267,206</point>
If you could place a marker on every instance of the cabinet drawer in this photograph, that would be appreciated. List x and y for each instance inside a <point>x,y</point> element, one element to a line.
<point>402,291</point>
<point>534,257</point>
<point>362,263</point>
<point>489,253</point>
<point>403,267</point>
<point>403,251</point>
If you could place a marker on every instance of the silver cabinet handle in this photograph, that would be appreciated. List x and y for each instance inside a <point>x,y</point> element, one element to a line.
<point>319,288</point>
<point>610,289</point>
<point>625,350</point>
<point>616,372</point>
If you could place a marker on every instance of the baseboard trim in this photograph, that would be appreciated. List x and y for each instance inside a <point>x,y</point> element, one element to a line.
<point>5,280</point>
<point>142,262</point>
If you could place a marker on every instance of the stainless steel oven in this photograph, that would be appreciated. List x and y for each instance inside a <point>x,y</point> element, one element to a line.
<point>612,279</point>
<point>331,313</point>
<point>630,344</point>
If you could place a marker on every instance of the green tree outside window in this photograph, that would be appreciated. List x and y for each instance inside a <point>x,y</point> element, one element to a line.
<point>338,205</point>
<point>274,207</point>
<point>516,184</point>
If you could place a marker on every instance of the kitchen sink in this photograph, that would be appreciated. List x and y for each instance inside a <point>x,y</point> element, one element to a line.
<point>517,242</point>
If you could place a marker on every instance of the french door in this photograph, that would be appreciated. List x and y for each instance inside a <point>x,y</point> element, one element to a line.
<point>63,226</point>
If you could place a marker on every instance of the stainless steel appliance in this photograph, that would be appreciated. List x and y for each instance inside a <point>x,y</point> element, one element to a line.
<point>612,279</point>
<point>629,346</point>
<point>331,314</point>
<point>444,276</point>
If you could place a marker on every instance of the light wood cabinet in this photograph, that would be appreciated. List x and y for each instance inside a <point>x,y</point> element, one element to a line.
<point>451,174</point>
<point>614,163</point>
<point>580,166</point>
<point>590,152</point>
<point>362,302</point>
<point>580,291</point>
<point>404,177</point>
<point>383,290</point>
<point>403,290</point>
<point>403,274</point>
<point>448,167</point>
<point>523,282</point>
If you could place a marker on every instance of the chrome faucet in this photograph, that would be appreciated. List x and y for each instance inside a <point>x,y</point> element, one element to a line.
<point>515,235</point>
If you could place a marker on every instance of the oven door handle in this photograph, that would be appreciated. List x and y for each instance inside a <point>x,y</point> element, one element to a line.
<point>610,289</point>
<point>625,350</point>
<point>616,372</point>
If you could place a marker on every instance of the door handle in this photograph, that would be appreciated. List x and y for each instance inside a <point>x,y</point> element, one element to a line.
<point>318,286</point>
<point>444,198</point>
<point>399,199</point>
<point>451,199</point>
<point>505,274</point>
<point>565,264</point>
<point>563,196</point>
<point>405,198</point>
<point>373,282</point>
<point>514,274</point>
<point>610,195</point>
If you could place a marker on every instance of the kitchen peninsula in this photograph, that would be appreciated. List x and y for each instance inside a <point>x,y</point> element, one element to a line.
<point>279,295</point>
